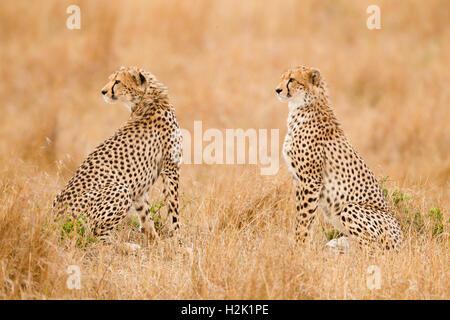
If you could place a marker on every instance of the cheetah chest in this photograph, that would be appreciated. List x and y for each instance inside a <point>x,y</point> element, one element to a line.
<point>294,124</point>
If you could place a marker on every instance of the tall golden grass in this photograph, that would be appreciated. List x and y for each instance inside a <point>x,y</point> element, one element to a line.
<point>221,61</point>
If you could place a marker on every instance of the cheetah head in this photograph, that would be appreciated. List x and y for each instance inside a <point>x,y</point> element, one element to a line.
<point>126,85</point>
<point>299,86</point>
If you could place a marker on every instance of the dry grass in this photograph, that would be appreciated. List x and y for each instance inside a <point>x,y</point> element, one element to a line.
<point>221,61</point>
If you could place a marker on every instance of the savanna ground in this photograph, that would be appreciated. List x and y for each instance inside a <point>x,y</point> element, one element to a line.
<point>221,61</point>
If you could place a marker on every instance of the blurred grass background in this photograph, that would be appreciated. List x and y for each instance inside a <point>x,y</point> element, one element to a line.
<point>221,61</point>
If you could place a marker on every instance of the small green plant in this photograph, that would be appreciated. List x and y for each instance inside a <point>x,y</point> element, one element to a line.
<point>333,234</point>
<point>399,197</point>
<point>134,221</point>
<point>414,218</point>
<point>76,228</point>
<point>417,222</point>
<point>154,209</point>
<point>382,183</point>
<point>436,220</point>
<point>401,201</point>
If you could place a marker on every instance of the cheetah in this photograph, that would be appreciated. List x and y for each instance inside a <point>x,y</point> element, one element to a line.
<point>116,177</point>
<point>327,171</point>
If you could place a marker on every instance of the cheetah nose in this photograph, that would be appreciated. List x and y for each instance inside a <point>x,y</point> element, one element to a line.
<point>278,90</point>
<point>104,92</point>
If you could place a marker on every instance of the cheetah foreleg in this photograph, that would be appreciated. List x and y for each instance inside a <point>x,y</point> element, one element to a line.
<point>307,195</point>
<point>142,208</point>
<point>170,180</point>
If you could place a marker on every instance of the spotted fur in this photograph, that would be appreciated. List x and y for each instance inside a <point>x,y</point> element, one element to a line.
<point>326,169</point>
<point>116,177</point>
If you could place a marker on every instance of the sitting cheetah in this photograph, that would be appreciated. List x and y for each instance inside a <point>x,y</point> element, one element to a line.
<point>116,177</point>
<point>326,169</point>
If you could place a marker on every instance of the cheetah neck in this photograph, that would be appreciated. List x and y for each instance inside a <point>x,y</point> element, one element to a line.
<point>302,111</point>
<point>295,106</point>
<point>150,101</point>
<point>300,105</point>
<point>298,114</point>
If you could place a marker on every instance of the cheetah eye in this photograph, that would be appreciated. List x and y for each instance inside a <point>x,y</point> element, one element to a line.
<point>116,82</point>
<point>290,81</point>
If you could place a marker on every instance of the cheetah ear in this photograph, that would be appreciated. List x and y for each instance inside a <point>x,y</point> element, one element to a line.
<point>142,78</point>
<point>314,76</point>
